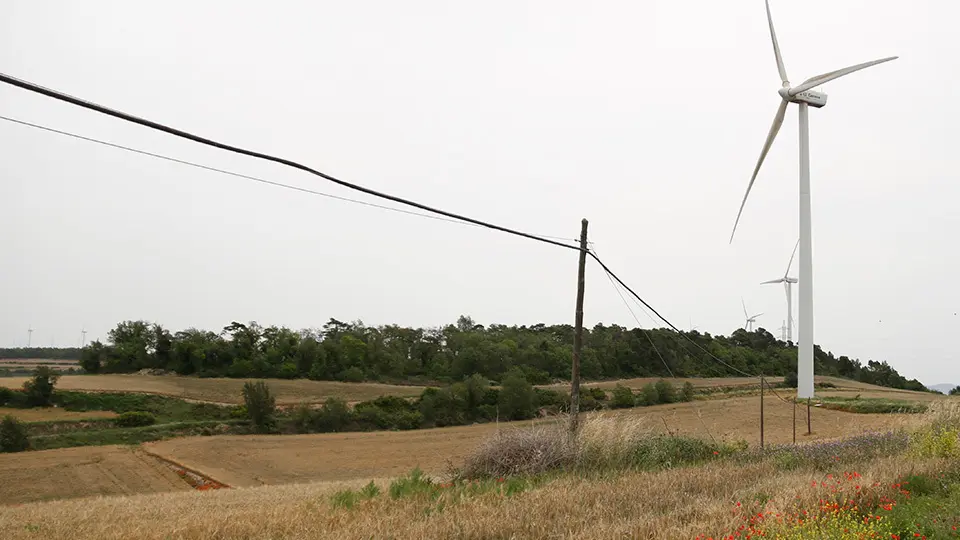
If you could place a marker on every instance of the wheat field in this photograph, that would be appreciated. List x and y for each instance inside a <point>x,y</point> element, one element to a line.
<point>278,459</point>
<point>224,390</point>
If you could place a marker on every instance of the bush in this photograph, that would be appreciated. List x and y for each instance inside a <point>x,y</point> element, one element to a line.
<point>13,435</point>
<point>302,418</point>
<point>517,398</point>
<point>597,393</point>
<point>333,416</point>
<point>687,393</point>
<point>6,395</point>
<point>135,419</point>
<point>353,374</point>
<point>955,391</point>
<point>261,405</point>
<point>623,398</point>
<point>39,389</point>
<point>666,391</point>
<point>521,452</point>
<point>388,412</point>
<point>790,379</point>
<point>650,394</point>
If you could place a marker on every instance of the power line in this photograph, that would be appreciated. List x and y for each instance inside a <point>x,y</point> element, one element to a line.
<point>240,175</point>
<point>283,161</point>
<point>267,157</point>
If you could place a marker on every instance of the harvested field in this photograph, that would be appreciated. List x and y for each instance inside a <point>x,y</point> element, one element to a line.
<point>223,390</point>
<point>687,502</point>
<point>257,460</point>
<point>697,382</point>
<point>45,414</point>
<point>82,472</point>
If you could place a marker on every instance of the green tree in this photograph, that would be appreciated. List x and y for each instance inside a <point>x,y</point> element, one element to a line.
<point>39,388</point>
<point>13,435</point>
<point>955,391</point>
<point>260,405</point>
<point>517,398</point>
<point>666,391</point>
<point>688,391</point>
<point>623,398</point>
<point>650,394</point>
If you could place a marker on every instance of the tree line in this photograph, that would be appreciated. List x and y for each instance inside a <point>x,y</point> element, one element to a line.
<point>355,352</point>
<point>47,353</point>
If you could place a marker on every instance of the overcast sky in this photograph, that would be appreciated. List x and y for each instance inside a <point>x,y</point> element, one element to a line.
<point>644,117</point>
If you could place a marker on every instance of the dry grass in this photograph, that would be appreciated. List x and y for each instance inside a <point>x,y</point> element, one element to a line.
<point>697,382</point>
<point>663,505</point>
<point>53,413</point>
<point>224,390</point>
<point>82,472</point>
<point>279,459</point>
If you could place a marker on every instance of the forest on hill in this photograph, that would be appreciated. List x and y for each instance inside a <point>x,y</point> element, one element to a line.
<point>352,351</point>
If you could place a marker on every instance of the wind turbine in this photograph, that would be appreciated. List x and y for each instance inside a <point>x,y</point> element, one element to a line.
<point>29,335</point>
<point>750,320</point>
<point>788,288</point>
<point>83,337</point>
<point>804,97</point>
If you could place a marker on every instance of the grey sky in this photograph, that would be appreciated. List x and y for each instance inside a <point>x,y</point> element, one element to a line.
<point>645,118</point>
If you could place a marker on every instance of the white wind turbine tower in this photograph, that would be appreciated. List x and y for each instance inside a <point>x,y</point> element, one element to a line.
<point>804,97</point>
<point>748,326</point>
<point>788,288</point>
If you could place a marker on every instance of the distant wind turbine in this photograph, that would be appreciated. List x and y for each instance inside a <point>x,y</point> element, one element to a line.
<point>29,335</point>
<point>788,288</point>
<point>750,320</point>
<point>83,337</point>
<point>804,96</point>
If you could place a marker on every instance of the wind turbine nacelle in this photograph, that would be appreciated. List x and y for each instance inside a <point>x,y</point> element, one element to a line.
<point>814,99</point>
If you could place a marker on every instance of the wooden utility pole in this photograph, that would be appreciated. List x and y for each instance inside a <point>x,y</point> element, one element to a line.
<point>578,333</point>
<point>761,411</point>
<point>794,421</point>
<point>809,429</point>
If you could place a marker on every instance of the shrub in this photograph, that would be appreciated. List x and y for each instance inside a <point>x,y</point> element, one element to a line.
<point>622,397</point>
<point>935,443</point>
<point>790,379</point>
<point>516,397</point>
<point>650,394</point>
<point>353,374</point>
<point>135,419</point>
<point>39,388</point>
<point>688,391</point>
<point>955,391</point>
<point>13,435</point>
<point>597,393</point>
<point>552,401</point>
<point>333,416</point>
<point>666,391</point>
<point>302,418</point>
<point>521,452</point>
<point>6,395</point>
<point>260,404</point>
<point>388,412</point>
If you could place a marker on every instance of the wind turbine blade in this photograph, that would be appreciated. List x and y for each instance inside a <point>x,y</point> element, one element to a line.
<point>792,255</point>
<point>774,129</point>
<point>776,49</point>
<point>827,77</point>
<point>744,308</point>
<point>772,281</point>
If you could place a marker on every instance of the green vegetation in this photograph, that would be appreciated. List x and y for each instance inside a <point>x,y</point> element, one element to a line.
<point>47,353</point>
<point>955,391</point>
<point>39,389</point>
<point>542,353</point>
<point>137,435</point>
<point>13,435</point>
<point>260,405</point>
<point>136,419</point>
<point>873,405</point>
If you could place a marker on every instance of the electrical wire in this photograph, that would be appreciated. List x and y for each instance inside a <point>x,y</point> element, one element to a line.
<point>29,86</point>
<point>245,176</point>
<point>26,85</point>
